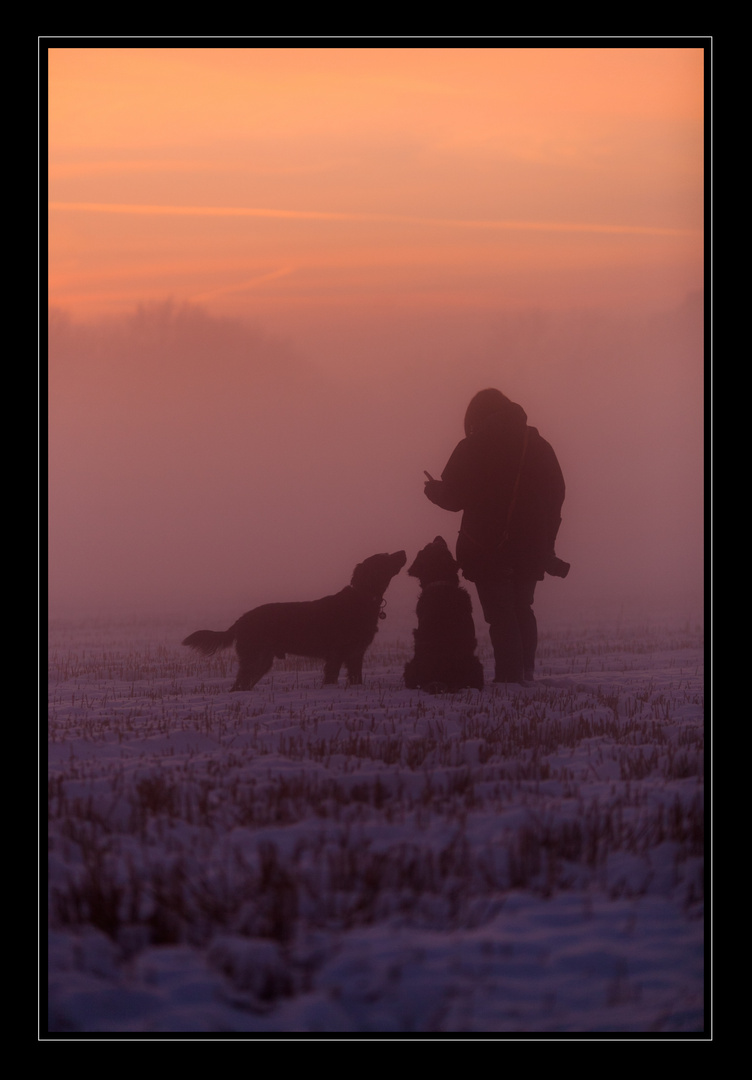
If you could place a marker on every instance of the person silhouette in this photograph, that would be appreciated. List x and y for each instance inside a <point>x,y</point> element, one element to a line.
<point>506,480</point>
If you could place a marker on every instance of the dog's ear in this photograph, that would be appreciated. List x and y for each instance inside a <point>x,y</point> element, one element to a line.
<point>442,564</point>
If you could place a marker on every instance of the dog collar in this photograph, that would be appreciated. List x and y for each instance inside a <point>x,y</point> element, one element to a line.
<point>380,600</point>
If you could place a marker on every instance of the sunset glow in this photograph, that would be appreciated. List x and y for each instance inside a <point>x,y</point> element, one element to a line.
<point>344,166</point>
<point>373,383</point>
<point>278,275</point>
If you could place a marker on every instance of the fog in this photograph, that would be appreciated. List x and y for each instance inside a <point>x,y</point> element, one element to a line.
<point>206,463</point>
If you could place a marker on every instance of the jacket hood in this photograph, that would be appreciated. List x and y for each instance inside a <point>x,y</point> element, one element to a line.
<point>508,418</point>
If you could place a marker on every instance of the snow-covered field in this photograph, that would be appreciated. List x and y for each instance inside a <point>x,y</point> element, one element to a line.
<point>372,859</point>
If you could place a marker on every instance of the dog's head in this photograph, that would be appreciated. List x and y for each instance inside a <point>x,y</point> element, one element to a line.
<point>373,575</point>
<point>434,563</point>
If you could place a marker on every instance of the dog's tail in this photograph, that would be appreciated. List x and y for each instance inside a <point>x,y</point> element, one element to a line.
<point>209,642</point>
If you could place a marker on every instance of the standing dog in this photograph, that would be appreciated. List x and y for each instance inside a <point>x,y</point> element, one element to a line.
<point>445,642</point>
<point>337,629</point>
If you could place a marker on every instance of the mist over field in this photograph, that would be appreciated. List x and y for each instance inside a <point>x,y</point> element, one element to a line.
<point>205,462</point>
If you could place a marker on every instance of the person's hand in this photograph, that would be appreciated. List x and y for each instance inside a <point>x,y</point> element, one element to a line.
<point>432,490</point>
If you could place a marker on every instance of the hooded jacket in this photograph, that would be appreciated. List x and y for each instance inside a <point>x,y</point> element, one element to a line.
<point>480,478</point>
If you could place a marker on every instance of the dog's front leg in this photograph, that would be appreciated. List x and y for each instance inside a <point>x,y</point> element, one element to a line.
<point>331,670</point>
<point>355,670</point>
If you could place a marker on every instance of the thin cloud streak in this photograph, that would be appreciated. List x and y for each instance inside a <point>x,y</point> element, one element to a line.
<point>68,169</point>
<point>250,283</point>
<point>322,215</point>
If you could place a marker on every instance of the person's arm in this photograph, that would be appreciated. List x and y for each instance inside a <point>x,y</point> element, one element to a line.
<point>448,493</point>
<point>436,491</point>
<point>552,497</point>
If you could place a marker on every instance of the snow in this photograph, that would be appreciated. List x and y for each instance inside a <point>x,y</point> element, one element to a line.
<point>368,859</point>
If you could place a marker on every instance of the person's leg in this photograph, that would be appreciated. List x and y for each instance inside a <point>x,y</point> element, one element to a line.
<point>524,594</point>
<point>498,600</point>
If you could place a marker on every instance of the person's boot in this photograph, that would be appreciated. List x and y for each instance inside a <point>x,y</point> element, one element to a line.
<point>509,676</point>
<point>508,667</point>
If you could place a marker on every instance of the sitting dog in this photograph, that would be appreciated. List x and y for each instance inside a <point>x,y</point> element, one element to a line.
<point>338,629</point>
<point>445,642</point>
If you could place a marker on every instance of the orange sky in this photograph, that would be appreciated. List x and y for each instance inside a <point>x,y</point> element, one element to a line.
<point>282,183</point>
<point>366,237</point>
